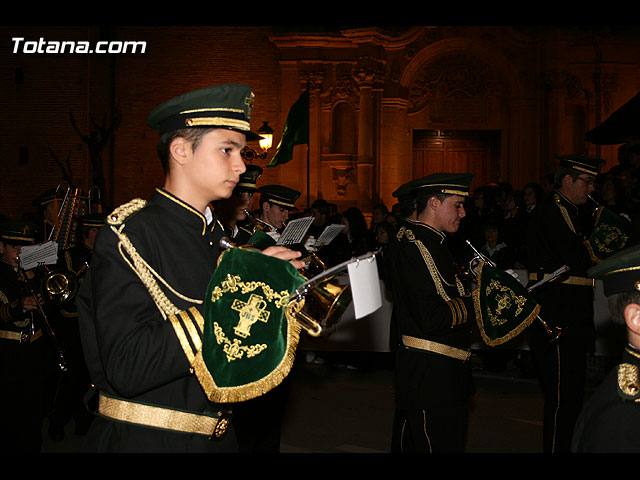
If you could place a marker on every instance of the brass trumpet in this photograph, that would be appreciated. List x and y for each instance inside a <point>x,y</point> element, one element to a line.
<point>325,299</point>
<point>60,286</point>
<point>259,224</point>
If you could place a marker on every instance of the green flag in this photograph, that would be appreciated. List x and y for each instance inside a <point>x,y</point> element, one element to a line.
<point>296,131</point>
<point>250,333</point>
<point>504,308</point>
<point>610,234</point>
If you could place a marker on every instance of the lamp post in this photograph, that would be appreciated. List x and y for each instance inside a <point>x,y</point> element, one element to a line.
<point>266,132</point>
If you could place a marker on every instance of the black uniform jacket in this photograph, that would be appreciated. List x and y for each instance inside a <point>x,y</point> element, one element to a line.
<point>132,352</point>
<point>423,378</point>
<point>610,421</point>
<point>555,237</point>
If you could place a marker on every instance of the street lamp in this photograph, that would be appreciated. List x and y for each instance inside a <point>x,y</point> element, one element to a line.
<point>266,132</point>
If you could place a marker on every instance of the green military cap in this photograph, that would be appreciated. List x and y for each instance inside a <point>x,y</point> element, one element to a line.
<point>620,272</point>
<point>282,196</point>
<point>249,179</point>
<point>582,163</point>
<point>18,233</point>
<point>438,183</point>
<point>227,105</point>
<point>92,220</point>
<point>407,188</point>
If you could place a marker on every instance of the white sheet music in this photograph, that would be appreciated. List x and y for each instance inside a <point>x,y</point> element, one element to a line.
<point>42,254</point>
<point>328,234</point>
<point>295,231</point>
<point>365,286</point>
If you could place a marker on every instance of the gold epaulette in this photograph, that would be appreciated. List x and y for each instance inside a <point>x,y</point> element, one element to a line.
<point>120,214</point>
<point>629,382</point>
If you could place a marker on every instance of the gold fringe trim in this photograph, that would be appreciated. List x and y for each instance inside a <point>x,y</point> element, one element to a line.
<point>479,311</point>
<point>241,393</point>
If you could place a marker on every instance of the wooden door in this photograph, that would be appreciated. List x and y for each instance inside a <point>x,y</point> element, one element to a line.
<point>475,152</point>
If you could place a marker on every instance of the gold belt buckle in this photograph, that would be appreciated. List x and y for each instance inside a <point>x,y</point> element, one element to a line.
<point>224,419</point>
<point>25,336</point>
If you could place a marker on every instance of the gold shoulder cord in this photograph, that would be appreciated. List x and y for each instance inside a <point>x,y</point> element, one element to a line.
<point>437,277</point>
<point>185,323</point>
<point>567,219</point>
<point>564,213</point>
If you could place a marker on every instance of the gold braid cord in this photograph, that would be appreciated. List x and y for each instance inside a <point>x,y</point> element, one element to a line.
<point>458,309</point>
<point>567,219</point>
<point>189,324</point>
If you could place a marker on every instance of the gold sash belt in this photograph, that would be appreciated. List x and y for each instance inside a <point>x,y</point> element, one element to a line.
<point>164,418</point>
<point>20,336</point>
<point>589,282</point>
<point>434,347</point>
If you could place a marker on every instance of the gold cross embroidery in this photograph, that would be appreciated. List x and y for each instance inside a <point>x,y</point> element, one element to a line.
<point>249,313</point>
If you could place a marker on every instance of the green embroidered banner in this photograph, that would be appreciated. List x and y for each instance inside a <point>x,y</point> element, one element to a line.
<point>610,233</point>
<point>504,308</point>
<point>249,339</point>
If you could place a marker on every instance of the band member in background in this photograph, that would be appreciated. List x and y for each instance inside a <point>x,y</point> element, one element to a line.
<point>610,421</point>
<point>232,211</point>
<point>434,315</point>
<point>74,384</point>
<point>24,353</point>
<point>276,201</point>
<point>141,302</point>
<point>47,204</point>
<point>556,236</point>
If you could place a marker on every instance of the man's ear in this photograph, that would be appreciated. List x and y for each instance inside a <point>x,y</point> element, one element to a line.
<point>433,202</point>
<point>179,149</point>
<point>567,179</point>
<point>632,317</point>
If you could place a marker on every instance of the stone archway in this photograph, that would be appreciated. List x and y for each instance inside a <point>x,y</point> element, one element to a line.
<point>462,85</point>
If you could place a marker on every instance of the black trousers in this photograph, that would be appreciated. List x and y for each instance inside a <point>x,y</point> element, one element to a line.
<point>441,429</point>
<point>562,369</point>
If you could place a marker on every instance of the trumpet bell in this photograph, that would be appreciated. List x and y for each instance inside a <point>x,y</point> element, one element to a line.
<point>327,302</point>
<point>60,287</point>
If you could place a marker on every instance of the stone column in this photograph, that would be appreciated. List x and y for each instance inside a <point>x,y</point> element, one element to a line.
<point>366,77</point>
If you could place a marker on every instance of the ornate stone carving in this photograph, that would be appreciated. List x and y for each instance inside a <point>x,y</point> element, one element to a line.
<point>342,176</point>
<point>451,76</point>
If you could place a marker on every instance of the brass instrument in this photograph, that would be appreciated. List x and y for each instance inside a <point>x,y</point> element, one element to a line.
<point>60,356</point>
<point>60,285</point>
<point>259,224</point>
<point>325,299</point>
<point>552,332</point>
<point>325,303</point>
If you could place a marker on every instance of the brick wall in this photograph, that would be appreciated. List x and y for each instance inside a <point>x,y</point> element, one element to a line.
<point>39,91</point>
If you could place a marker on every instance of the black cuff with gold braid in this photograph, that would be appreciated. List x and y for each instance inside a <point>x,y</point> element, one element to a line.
<point>458,311</point>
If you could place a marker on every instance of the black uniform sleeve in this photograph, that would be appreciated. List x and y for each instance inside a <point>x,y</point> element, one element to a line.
<point>125,337</point>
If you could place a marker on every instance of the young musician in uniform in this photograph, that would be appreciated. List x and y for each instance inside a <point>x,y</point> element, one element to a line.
<point>610,420</point>
<point>556,236</point>
<point>276,201</point>
<point>141,303</point>
<point>232,211</point>
<point>434,315</point>
<point>25,354</point>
